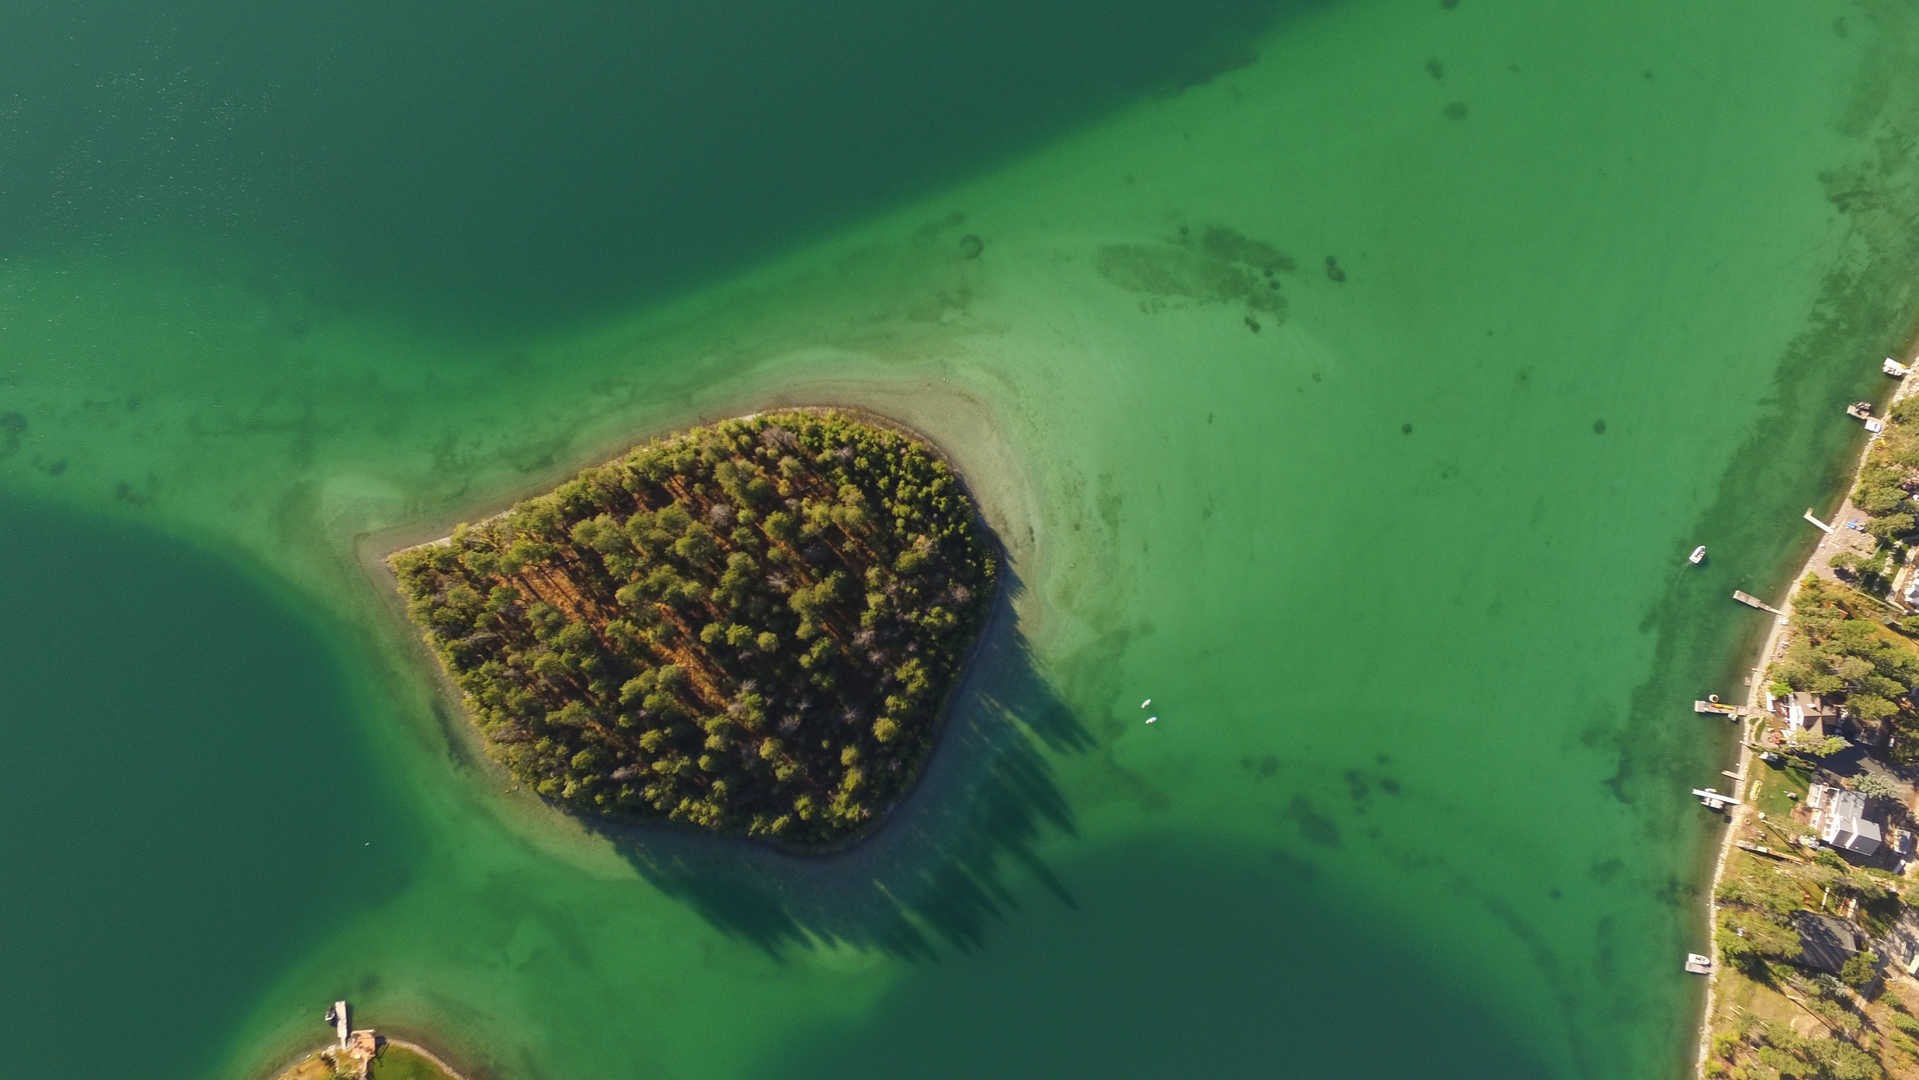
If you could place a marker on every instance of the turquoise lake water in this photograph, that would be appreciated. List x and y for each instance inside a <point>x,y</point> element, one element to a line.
<point>1392,535</point>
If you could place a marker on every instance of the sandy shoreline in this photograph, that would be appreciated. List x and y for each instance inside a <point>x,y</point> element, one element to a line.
<point>372,552</point>
<point>1755,702</point>
<point>934,414</point>
<point>996,618</point>
<point>439,1062</point>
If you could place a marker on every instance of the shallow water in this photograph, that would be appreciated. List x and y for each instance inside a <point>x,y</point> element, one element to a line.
<point>1397,549</point>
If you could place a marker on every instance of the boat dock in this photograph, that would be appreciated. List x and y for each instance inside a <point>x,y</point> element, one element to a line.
<point>1715,708</point>
<point>1714,800</point>
<point>337,1015</point>
<point>1862,412</point>
<point>1697,964</point>
<point>1752,601</point>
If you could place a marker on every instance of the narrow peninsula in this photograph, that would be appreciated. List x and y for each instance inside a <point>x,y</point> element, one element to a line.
<point>365,1054</point>
<point>750,627</point>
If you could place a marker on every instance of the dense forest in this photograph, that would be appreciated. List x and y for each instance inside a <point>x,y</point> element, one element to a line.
<point>1888,478</point>
<point>749,627</point>
<point>1890,474</point>
<point>1842,645</point>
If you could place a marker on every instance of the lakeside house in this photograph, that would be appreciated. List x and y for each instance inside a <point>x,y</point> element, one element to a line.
<point>1842,819</point>
<point>1825,942</point>
<point>1810,713</point>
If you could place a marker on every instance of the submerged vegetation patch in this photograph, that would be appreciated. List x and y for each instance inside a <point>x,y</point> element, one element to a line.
<point>750,627</point>
<point>1218,266</point>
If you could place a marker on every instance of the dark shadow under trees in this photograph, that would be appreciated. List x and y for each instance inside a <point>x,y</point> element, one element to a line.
<point>943,865</point>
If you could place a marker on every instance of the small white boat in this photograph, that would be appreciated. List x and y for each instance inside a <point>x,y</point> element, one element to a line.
<point>1145,703</point>
<point>1698,555</point>
<point>1152,719</point>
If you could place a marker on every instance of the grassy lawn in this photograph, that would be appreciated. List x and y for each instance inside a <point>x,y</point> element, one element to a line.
<point>398,1063</point>
<point>1776,782</point>
<point>311,1069</point>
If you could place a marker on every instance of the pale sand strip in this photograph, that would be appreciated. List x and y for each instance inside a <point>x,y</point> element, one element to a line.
<point>962,429</point>
<point>373,564</point>
<point>438,1062</point>
<point>1755,701</point>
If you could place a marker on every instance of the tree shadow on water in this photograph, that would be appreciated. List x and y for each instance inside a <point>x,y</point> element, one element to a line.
<point>934,875</point>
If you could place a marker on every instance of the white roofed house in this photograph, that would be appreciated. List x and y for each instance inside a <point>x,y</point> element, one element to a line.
<point>1843,823</point>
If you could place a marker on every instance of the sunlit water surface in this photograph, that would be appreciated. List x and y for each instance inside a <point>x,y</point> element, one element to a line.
<point>1393,534</point>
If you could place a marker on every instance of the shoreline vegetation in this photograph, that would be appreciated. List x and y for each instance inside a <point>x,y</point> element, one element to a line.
<point>1813,947</point>
<point>749,627</point>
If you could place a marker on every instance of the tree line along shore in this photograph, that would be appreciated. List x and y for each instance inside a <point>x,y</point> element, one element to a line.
<point>749,627</point>
<point>1812,926</point>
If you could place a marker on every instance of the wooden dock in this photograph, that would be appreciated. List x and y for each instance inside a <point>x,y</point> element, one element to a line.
<point>1714,800</point>
<point>1823,527</point>
<point>1715,708</point>
<point>1750,600</point>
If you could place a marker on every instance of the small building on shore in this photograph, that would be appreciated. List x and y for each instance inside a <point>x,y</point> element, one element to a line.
<point>1825,941</point>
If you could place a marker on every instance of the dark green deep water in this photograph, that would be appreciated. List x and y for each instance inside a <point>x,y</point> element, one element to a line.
<point>167,819</point>
<point>1396,550</point>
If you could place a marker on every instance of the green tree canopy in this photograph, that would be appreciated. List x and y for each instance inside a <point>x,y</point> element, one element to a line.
<point>1874,785</point>
<point>749,627</point>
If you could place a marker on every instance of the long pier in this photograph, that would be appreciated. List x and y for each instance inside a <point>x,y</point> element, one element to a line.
<point>1750,600</point>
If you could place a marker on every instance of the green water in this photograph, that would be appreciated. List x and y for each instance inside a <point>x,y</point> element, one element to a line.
<point>1401,568</point>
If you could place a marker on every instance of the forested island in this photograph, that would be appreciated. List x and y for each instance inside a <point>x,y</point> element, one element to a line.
<point>749,627</point>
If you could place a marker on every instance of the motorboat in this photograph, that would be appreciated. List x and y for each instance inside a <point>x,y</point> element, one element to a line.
<point>1698,555</point>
